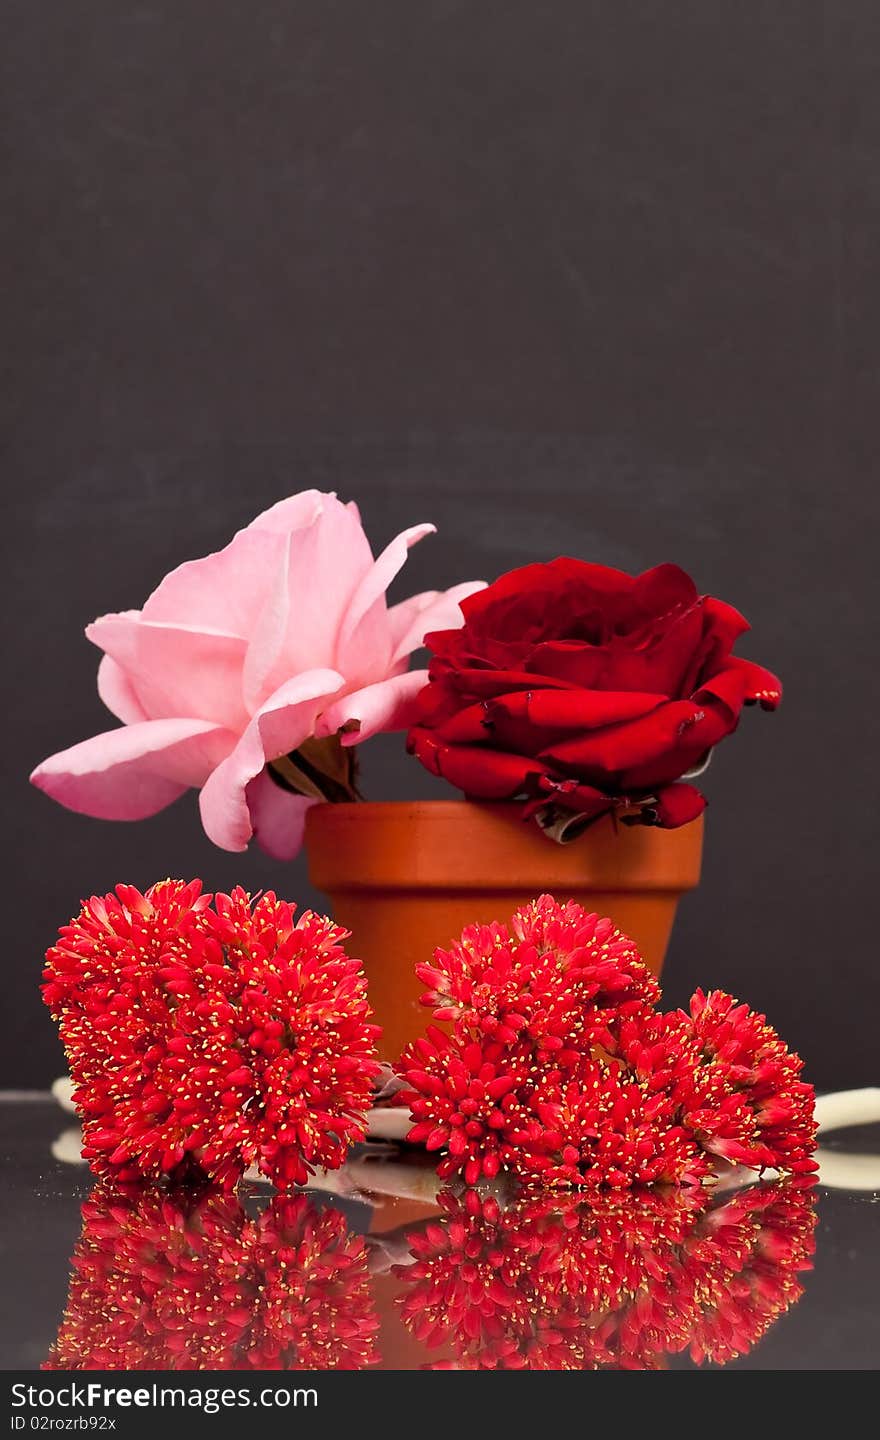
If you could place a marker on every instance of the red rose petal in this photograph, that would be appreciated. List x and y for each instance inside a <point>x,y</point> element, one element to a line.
<point>487,774</point>
<point>742,681</point>
<point>636,742</point>
<point>572,671</point>
<point>571,709</point>
<point>677,805</point>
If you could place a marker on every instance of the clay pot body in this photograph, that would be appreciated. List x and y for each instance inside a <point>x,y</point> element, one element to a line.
<point>405,877</point>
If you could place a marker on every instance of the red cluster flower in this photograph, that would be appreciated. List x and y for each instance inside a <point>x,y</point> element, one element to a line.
<point>205,1038</point>
<point>552,1283</point>
<point>733,1081</point>
<point>559,1067</point>
<point>558,978</point>
<point>183,1280</point>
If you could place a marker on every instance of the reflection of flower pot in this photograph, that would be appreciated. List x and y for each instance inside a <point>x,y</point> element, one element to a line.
<point>405,877</point>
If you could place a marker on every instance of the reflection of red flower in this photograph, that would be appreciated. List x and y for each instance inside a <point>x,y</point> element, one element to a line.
<point>554,1283</point>
<point>179,1280</point>
<point>202,1039</point>
<point>558,1067</point>
<point>765,1236</point>
<point>585,689</point>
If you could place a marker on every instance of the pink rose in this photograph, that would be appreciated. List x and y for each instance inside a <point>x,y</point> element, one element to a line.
<point>239,659</point>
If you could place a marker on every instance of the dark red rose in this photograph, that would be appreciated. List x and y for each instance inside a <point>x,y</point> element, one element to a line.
<point>583,689</point>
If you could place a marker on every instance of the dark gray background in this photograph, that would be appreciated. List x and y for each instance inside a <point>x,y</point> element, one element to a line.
<point>562,277</point>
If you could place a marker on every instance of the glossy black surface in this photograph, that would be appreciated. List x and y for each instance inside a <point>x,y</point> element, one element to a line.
<point>832,1325</point>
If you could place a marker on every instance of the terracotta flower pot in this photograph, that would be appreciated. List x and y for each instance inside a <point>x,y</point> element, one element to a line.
<point>405,877</point>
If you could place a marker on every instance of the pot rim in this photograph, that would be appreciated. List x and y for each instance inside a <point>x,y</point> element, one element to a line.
<point>446,808</point>
<point>455,845</point>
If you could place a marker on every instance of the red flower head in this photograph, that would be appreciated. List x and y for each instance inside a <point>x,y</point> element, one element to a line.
<point>493,1107</point>
<point>560,977</point>
<point>559,1069</point>
<point>469,1098</point>
<point>528,1003</point>
<point>744,1097</point>
<point>601,1125</point>
<point>202,1040</point>
<point>585,689</point>
<point>553,1283</point>
<point>679,1091</point>
<point>186,1280</point>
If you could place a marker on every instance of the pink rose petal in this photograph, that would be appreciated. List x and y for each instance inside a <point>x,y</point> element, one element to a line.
<point>298,626</point>
<point>278,816</point>
<point>224,591</point>
<point>364,649</point>
<point>294,512</point>
<point>118,693</point>
<point>412,620</point>
<point>135,771</point>
<point>286,719</point>
<point>177,670</point>
<point>388,705</point>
